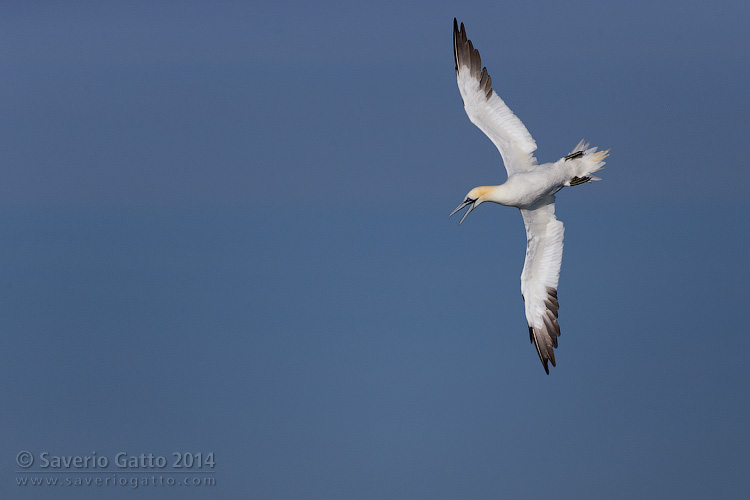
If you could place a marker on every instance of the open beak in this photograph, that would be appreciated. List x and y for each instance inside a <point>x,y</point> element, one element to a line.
<point>470,203</point>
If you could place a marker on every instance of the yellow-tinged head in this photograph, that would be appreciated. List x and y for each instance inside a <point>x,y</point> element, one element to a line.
<point>473,199</point>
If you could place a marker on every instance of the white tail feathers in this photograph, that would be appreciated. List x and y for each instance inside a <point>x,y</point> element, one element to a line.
<point>582,161</point>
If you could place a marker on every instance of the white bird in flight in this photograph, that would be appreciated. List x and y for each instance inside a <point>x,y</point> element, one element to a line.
<point>530,187</point>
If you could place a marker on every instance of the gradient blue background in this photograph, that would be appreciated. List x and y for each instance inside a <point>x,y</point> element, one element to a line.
<point>224,229</point>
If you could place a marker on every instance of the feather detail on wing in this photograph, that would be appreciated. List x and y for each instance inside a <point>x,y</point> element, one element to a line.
<point>541,272</point>
<point>485,108</point>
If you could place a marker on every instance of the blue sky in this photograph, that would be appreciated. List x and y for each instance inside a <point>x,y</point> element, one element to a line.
<point>225,231</point>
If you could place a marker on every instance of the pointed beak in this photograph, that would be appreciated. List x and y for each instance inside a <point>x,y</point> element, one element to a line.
<point>470,203</point>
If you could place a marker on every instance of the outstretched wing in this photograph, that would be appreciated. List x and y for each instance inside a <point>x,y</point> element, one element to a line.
<point>541,271</point>
<point>485,108</point>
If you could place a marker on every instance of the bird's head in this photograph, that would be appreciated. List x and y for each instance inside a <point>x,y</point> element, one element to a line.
<point>473,199</point>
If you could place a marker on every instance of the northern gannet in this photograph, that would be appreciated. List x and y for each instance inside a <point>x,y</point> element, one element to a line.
<point>530,187</point>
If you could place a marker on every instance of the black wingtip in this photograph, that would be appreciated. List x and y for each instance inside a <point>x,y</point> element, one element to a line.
<point>464,53</point>
<point>545,337</point>
<point>459,39</point>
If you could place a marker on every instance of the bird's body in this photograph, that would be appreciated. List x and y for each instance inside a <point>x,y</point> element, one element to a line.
<point>524,189</point>
<point>530,187</point>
